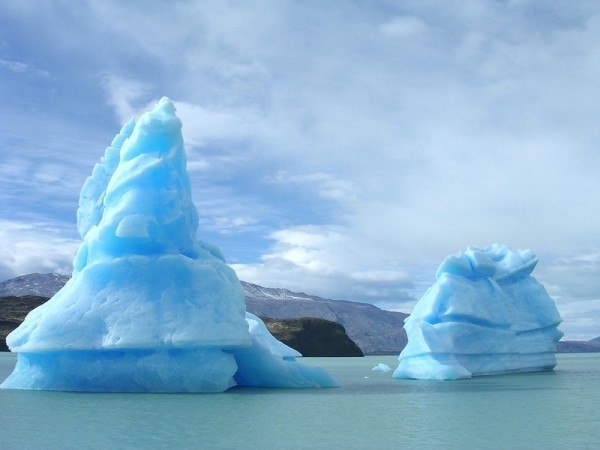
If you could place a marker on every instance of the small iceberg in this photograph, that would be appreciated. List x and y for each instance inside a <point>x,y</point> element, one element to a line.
<point>381,367</point>
<point>484,315</point>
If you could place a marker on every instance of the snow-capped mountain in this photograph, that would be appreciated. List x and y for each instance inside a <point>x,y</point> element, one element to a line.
<point>254,290</point>
<point>41,284</point>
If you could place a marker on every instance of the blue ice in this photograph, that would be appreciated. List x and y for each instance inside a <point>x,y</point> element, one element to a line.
<point>484,315</point>
<point>149,308</point>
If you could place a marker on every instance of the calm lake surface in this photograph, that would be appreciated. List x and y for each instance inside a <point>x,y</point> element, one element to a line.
<point>558,409</point>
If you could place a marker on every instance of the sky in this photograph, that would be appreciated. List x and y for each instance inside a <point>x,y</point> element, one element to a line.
<point>340,148</point>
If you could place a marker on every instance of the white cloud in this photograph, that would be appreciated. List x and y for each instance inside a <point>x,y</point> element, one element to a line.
<point>323,260</point>
<point>226,224</point>
<point>203,125</point>
<point>34,247</point>
<point>404,26</point>
<point>389,276</point>
<point>573,280</point>
<point>22,68</point>
<point>197,165</point>
<point>223,211</point>
<point>326,186</point>
<point>14,66</point>
<point>125,95</point>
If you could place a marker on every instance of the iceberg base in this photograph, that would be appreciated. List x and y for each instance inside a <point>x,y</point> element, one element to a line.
<point>443,366</point>
<point>163,370</point>
<point>260,368</point>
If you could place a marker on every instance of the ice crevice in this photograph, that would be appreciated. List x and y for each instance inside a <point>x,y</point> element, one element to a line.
<point>468,319</point>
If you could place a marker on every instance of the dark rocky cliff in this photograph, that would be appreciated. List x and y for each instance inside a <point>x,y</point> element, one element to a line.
<point>313,337</point>
<point>13,311</point>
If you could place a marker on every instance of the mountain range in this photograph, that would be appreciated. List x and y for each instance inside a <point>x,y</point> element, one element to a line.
<point>38,284</point>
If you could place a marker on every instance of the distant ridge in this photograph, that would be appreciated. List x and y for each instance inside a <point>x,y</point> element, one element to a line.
<point>39,284</point>
<point>313,337</point>
<point>13,311</point>
<point>578,346</point>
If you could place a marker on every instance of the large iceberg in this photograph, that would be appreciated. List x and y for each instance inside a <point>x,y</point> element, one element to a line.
<point>149,307</point>
<point>484,315</point>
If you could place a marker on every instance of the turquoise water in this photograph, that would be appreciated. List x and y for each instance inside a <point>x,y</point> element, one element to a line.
<point>558,409</point>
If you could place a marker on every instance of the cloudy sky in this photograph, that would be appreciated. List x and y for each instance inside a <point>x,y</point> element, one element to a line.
<point>339,148</point>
